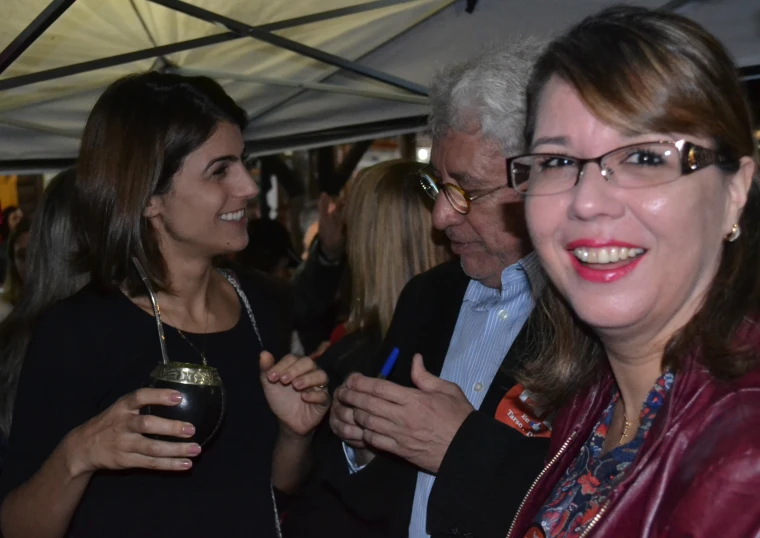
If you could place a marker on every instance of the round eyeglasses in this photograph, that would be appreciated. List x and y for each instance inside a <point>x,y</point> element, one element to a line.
<point>459,199</point>
<point>631,167</point>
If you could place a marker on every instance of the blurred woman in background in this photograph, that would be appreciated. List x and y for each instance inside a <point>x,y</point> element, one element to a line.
<point>49,277</point>
<point>389,239</point>
<point>12,215</point>
<point>17,247</point>
<point>9,219</point>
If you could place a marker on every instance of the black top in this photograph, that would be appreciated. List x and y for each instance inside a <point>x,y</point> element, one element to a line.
<point>317,287</point>
<point>93,348</point>
<point>354,352</point>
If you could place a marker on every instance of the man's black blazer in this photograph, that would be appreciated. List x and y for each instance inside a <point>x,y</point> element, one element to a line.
<point>488,467</point>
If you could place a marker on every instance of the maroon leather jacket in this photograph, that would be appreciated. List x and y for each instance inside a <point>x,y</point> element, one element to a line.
<point>696,475</point>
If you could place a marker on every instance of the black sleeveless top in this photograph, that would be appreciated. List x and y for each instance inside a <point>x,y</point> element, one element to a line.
<point>93,348</point>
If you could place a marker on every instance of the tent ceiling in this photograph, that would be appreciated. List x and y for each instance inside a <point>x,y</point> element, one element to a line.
<point>405,39</point>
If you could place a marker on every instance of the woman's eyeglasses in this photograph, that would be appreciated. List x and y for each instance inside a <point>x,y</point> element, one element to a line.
<point>631,167</point>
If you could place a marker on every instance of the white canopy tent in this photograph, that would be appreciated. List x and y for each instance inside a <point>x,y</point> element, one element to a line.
<point>308,73</point>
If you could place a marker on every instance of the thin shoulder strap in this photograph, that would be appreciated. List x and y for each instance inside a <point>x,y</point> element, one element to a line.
<point>230,276</point>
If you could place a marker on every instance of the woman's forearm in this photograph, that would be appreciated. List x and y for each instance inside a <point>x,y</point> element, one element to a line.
<point>42,507</point>
<point>291,461</point>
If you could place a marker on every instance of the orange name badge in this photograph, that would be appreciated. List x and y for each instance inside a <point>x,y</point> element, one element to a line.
<point>519,410</point>
<point>535,532</point>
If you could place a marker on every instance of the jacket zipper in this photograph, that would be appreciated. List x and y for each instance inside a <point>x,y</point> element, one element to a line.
<point>596,519</point>
<point>540,475</point>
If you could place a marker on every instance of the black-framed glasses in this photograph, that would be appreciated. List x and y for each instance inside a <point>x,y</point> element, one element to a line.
<point>637,166</point>
<point>459,199</point>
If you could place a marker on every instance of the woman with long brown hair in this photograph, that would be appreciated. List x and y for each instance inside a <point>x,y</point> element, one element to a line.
<point>643,205</point>
<point>160,179</point>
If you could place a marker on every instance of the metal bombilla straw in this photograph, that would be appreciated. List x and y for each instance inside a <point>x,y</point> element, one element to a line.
<point>156,311</point>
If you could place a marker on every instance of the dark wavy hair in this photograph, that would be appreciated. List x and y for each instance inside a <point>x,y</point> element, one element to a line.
<point>51,276</point>
<point>650,71</point>
<point>136,138</point>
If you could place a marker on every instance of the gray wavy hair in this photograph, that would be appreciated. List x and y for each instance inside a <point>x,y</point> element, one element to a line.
<point>486,92</point>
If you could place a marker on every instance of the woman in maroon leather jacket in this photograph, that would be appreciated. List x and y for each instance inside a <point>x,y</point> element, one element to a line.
<point>643,204</point>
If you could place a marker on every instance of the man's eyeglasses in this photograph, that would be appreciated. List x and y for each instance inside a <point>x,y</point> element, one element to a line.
<point>631,167</point>
<point>459,199</point>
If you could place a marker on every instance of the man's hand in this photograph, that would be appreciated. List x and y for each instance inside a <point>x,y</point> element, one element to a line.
<point>343,425</point>
<point>415,424</point>
<point>342,422</point>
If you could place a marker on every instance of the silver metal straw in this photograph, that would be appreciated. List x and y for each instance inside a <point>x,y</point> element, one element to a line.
<point>156,310</point>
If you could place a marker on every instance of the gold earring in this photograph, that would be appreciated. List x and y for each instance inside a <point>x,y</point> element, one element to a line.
<point>734,234</point>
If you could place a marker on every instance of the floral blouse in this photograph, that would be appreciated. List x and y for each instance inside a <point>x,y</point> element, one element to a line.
<point>587,483</point>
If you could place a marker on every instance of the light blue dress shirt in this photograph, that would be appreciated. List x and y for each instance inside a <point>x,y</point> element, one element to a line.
<point>488,323</point>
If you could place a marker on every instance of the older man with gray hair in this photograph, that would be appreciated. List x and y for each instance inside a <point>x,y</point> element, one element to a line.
<point>448,444</point>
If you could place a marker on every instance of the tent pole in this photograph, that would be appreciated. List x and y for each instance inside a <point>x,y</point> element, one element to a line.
<point>39,128</point>
<point>8,105</point>
<point>120,59</point>
<point>332,137</point>
<point>315,86</point>
<point>293,46</point>
<point>24,40</point>
<point>293,95</point>
<point>112,61</point>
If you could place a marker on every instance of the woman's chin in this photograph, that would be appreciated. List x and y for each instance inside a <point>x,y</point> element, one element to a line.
<point>612,318</point>
<point>231,246</point>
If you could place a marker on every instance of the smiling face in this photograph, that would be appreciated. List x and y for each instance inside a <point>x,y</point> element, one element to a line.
<point>492,235</point>
<point>676,230</point>
<point>204,213</point>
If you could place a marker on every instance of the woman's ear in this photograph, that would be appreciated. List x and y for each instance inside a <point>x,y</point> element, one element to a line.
<point>738,189</point>
<point>153,208</point>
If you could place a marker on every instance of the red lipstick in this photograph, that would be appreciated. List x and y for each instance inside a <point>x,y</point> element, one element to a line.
<point>602,273</point>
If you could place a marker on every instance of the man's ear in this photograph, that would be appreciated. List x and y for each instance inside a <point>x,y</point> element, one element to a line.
<point>153,208</point>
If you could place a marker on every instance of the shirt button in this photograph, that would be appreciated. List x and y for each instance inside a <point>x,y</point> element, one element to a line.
<point>503,314</point>
<point>478,387</point>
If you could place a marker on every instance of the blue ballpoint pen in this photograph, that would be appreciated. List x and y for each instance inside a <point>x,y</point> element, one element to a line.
<point>389,363</point>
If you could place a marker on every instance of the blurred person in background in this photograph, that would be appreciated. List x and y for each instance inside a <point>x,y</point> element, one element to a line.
<point>269,249</point>
<point>12,215</point>
<point>49,277</point>
<point>10,218</point>
<point>320,282</point>
<point>315,282</point>
<point>17,247</point>
<point>389,240</point>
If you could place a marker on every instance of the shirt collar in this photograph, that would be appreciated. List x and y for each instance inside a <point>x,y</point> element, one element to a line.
<point>525,273</point>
